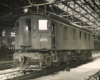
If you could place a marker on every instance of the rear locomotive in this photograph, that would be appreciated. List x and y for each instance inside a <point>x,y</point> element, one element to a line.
<point>48,40</point>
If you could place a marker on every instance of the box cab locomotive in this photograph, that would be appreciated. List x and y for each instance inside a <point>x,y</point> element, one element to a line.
<point>43,41</point>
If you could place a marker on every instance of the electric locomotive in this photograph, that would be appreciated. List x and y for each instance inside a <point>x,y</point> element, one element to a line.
<point>44,40</point>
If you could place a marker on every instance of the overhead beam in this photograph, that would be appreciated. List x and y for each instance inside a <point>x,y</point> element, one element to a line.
<point>83,8</point>
<point>52,2</point>
<point>90,26</point>
<point>91,7</point>
<point>3,27</point>
<point>86,21</point>
<point>95,4</point>
<point>67,12</point>
<point>42,4</point>
<point>5,23</point>
<point>78,12</point>
<point>82,13</point>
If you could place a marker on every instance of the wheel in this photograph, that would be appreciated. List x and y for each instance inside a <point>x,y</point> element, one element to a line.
<point>24,72</point>
<point>57,64</point>
<point>67,59</point>
<point>48,62</point>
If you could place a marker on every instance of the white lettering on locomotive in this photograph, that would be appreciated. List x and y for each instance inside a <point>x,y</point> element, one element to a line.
<point>43,40</point>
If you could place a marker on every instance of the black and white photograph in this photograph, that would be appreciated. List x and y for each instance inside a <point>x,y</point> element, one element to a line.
<point>49,40</point>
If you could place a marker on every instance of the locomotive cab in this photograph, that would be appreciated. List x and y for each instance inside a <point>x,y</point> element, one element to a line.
<point>34,31</point>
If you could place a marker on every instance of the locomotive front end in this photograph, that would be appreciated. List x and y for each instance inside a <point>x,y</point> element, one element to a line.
<point>27,60</point>
<point>33,38</point>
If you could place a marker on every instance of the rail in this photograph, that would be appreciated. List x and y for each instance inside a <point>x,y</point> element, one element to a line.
<point>6,65</point>
<point>11,74</point>
<point>48,71</point>
<point>19,75</point>
<point>96,76</point>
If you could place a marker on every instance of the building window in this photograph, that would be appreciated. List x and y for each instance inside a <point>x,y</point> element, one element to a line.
<point>80,34</point>
<point>74,33</point>
<point>65,32</point>
<point>85,35</point>
<point>94,36</point>
<point>89,36</point>
<point>43,24</point>
<point>28,25</point>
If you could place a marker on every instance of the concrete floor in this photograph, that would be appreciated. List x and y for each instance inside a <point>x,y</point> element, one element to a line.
<point>79,73</point>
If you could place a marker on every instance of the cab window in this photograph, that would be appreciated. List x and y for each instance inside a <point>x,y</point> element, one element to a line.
<point>28,24</point>
<point>43,24</point>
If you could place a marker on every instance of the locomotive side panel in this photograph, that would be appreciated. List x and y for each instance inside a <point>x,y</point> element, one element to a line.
<point>71,38</point>
<point>74,38</point>
<point>83,40</point>
<point>22,32</point>
<point>72,42</point>
<point>59,37</point>
<point>91,41</point>
<point>19,35</point>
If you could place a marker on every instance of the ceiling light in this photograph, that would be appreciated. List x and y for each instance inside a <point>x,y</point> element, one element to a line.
<point>25,10</point>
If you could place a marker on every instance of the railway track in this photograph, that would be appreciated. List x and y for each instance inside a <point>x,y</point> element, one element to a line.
<point>19,75</point>
<point>11,74</point>
<point>6,65</point>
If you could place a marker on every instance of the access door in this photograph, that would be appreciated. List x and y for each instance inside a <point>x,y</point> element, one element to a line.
<point>27,32</point>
